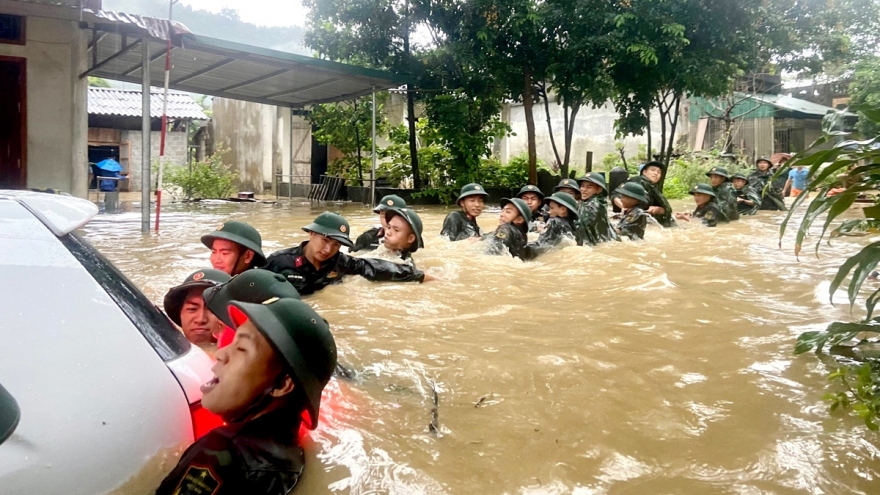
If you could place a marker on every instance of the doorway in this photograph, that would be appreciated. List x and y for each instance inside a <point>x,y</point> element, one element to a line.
<point>13,123</point>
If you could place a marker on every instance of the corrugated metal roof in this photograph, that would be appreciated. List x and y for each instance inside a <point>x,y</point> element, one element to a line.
<point>223,68</point>
<point>791,104</point>
<point>127,103</point>
<point>759,106</point>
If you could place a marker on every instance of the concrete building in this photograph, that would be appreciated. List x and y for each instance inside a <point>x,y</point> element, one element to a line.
<point>43,119</point>
<point>115,128</point>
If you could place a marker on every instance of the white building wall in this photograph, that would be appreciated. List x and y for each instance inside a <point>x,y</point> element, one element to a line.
<point>594,131</point>
<point>57,124</point>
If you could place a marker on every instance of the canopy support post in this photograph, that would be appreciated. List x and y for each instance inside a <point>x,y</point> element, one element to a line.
<point>373,156</point>
<point>145,137</point>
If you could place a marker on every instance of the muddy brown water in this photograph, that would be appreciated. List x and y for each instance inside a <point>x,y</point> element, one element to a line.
<point>662,366</point>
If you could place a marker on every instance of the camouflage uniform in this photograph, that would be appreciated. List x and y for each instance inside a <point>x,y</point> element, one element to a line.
<point>557,229</point>
<point>508,236</point>
<point>725,194</point>
<point>710,213</point>
<point>747,193</point>
<point>592,225</point>
<point>771,198</point>
<point>655,197</point>
<point>635,219</point>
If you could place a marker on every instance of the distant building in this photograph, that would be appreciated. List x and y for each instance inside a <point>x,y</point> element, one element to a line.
<point>115,128</point>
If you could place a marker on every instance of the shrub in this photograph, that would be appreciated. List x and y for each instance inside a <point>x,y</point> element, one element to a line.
<point>209,179</point>
<point>690,169</point>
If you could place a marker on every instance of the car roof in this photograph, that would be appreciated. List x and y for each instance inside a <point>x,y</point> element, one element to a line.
<point>62,214</point>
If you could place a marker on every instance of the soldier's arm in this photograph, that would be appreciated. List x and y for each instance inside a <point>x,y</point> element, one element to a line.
<point>208,467</point>
<point>365,240</point>
<point>379,270</point>
<point>453,228</point>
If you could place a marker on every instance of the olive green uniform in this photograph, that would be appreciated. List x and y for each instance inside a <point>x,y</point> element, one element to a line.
<point>748,193</point>
<point>656,198</point>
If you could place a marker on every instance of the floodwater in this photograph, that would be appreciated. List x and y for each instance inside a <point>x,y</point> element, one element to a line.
<point>662,366</point>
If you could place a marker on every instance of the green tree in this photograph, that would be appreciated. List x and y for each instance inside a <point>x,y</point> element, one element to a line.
<point>98,82</point>
<point>851,168</point>
<point>374,33</point>
<point>864,89</point>
<point>347,126</point>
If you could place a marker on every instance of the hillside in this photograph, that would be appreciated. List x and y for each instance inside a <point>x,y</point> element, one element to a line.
<point>224,25</point>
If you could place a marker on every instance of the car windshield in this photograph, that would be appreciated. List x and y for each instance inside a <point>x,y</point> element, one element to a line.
<point>168,342</point>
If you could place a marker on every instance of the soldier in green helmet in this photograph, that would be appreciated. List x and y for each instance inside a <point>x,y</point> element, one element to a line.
<point>747,199</point>
<point>570,187</point>
<point>593,226</point>
<point>185,306</point>
<point>724,193</point>
<point>512,233</point>
<point>707,209</point>
<point>235,247</point>
<point>404,232</point>
<point>657,205</point>
<point>371,239</point>
<point>462,224</point>
<point>634,219</point>
<point>533,197</point>
<point>266,383</point>
<point>253,286</point>
<point>317,262</point>
<point>761,180</point>
<point>562,225</point>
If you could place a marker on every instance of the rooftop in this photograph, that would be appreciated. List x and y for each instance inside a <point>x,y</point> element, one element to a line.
<point>127,103</point>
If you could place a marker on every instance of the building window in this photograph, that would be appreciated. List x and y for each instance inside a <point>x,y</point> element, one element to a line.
<point>12,29</point>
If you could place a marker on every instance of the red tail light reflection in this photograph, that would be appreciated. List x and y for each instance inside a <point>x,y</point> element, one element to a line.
<point>203,420</point>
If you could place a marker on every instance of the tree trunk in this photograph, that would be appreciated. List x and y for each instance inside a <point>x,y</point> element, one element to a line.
<point>549,122</point>
<point>411,114</point>
<point>357,140</point>
<point>648,114</point>
<point>569,129</point>
<point>530,126</point>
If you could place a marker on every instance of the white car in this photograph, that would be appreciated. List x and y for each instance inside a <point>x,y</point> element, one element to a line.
<point>98,391</point>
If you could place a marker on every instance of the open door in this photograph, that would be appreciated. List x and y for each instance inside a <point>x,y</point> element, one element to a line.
<point>13,124</point>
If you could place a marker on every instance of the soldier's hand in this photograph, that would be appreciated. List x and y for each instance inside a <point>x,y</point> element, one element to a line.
<point>430,278</point>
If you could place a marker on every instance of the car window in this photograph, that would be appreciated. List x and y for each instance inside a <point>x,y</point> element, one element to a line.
<point>9,414</point>
<point>169,342</point>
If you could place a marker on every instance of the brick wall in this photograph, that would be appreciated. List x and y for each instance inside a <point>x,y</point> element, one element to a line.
<point>175,153</point>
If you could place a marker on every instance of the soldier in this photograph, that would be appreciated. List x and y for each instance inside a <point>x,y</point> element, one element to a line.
<point>403,234</point>
<point>462,224</point>
<point>570,187</point>
<point>317,262</point>
<point>253,286</point>
<point>771,197</point>
<point>707,207</point>
<point>724,193</point>
<point>593,226</point>
<point>186,308</point>
<point>513,229</point>
<point>657,204</point>
<point>747,199</point>
<point>370,240</point>
<point>266,383</point>
<point>632,198</point>
<point>235,247</point>
<point>535,199</point>
<point>562,224</point>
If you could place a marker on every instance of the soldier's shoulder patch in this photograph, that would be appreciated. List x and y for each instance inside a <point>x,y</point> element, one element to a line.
<point>710,215</point>
<point>631,218</point>
<point>501,234</point>
<point>198,480</point>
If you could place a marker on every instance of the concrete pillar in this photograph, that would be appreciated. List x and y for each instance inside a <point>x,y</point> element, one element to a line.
<point>79,169</point>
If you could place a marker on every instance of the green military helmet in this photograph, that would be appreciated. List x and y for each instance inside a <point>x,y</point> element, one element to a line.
<point>331,225</point>
<point>530,189</point>
<point>739,176</point>
<point>633,190</point>
<point>390,201</point>
<point>597,178</point>
<point>565,200</point>
<point>412,219</point>
<point>652,164</point>
<point>252,286</point>
<point>302,338</point>
<point>520,205</point>
<point>471,190</point>
<point>718,171</point>
<point>203,279</point>
<point>242,234</point>
<point>765,160</point>
<point>567,183</point>
<point>702,188</point>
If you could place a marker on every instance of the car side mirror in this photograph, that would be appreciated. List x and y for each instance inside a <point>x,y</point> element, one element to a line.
<point>9,414</point>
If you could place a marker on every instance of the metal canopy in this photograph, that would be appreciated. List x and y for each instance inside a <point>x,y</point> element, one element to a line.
<point>223,68</point>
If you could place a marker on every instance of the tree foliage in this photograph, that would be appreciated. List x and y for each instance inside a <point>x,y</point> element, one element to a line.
<point>839,175</point>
